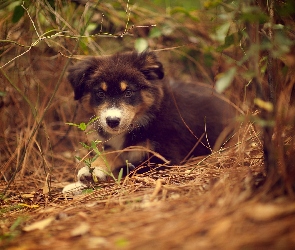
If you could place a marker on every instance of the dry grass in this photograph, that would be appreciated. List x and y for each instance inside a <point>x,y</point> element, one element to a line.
<point>217,202</point>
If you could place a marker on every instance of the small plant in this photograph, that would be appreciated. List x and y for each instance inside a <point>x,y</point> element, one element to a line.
<point>93,147</point>
<point>14,229</point>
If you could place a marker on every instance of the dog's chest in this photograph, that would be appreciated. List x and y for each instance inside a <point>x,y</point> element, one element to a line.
<point>133,155</point>
<point>116,142</point>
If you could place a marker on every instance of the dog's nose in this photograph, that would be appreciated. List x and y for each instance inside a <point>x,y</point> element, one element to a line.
<point>113,121</point>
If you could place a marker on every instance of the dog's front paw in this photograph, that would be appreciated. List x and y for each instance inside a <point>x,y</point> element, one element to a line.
<point>85,175</point>
<point>74,188</point>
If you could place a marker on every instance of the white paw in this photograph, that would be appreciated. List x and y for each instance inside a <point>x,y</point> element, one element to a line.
<point>85,176</point>
<point>74,188</point>
<point>84,179</point>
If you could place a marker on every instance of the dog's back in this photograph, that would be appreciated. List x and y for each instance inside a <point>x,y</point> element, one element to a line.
<point>191,118</point>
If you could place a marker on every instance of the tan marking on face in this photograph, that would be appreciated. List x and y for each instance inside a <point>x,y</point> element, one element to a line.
<point>104,86</point>
<point>141,116</point>
<point>147,98</point>
<point>123,86</point>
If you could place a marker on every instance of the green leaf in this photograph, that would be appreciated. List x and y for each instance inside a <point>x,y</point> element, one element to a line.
<point>17,223</point>
<point>120,175</point>
<point>229,40</point>
<point>155,32</point>
<point>253,14</point>
<point>225,80</point>
<point>94,158</point>
<point>91,27</point>
<point>222,31</point>
<point>72,124</point>
<point>141,44</point>
<point>82,126</point>
<point>18,13</point>
<point>85,145</point>
<point>87,191</point>
<point>208,59</point>
<point>78,158</point>
<point>93,145</point>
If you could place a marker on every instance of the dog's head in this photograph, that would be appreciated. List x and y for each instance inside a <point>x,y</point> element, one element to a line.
<point>122,89</point>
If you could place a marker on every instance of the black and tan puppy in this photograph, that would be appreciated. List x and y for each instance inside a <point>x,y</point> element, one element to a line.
<point>135,107</point>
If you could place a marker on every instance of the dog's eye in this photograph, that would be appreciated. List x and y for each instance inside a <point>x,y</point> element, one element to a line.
<point>128,93</point>
<point>101,94</point>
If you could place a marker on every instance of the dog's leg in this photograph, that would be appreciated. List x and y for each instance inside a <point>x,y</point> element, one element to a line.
<point>101,168</point>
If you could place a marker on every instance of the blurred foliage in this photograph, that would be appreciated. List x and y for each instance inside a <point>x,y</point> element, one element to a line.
<point>205,29</point>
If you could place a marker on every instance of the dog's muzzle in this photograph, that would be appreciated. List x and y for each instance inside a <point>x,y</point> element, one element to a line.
<point>113,121</point>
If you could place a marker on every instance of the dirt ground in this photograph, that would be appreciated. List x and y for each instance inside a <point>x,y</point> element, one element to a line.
<point>218,202</point>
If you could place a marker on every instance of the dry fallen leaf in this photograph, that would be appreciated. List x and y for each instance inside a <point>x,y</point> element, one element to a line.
<point>265,212</point>
<point>82,229</point>
<point>39,224</point>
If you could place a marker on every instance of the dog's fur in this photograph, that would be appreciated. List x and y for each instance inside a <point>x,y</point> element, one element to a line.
<point>135,107</point>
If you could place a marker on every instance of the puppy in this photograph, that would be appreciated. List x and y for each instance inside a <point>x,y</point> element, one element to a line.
<point>135,107</point>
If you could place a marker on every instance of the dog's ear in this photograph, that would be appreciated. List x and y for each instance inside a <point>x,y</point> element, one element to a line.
<point>149,65</point>
<point>78,76</point>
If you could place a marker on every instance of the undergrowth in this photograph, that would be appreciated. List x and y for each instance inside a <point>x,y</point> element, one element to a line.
<point>245,47</point>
